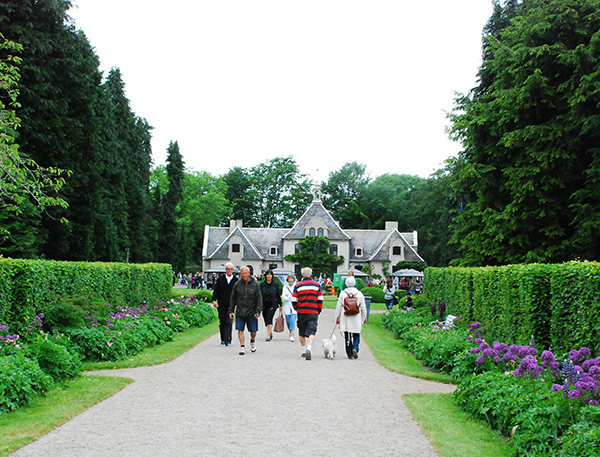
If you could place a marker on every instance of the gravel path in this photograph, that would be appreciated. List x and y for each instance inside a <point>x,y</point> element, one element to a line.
<point>213,402</point>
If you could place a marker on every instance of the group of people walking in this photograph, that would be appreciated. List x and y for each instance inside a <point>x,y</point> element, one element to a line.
<point>300,302</point>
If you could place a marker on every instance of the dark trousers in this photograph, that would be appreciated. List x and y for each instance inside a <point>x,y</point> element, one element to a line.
<point>225,323</point>
<point>352,342</point>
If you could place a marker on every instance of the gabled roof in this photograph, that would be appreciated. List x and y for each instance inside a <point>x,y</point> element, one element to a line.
<point>316,209</point>
<point>376,244</point>
<point>222,250</point>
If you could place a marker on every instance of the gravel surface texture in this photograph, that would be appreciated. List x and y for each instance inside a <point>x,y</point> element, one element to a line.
<point>213,402</point>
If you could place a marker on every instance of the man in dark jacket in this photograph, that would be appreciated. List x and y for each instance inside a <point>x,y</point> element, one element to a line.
<point>246,303</point>
<point>221,295</point>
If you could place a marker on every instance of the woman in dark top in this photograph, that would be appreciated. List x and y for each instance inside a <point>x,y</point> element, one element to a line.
<point>271,297</point>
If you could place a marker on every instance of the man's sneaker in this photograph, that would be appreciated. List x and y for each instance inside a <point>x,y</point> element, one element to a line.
<point>292,339</point>
<point>308,356</point>
<point>252,346</point>
<point>228,345</point>
<point>242,350</point>
<point>354,354</point>
<point>222,343</point>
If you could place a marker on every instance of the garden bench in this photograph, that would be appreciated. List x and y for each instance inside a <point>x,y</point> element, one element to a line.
<point>449,322</point>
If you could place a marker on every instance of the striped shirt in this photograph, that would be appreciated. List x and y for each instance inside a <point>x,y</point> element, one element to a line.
<point>307,297</point>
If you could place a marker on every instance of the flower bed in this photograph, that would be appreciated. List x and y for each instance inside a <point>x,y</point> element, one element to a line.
<point>545,407</point>
<point>32,362</point>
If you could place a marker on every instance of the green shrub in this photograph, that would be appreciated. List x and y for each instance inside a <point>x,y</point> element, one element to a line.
<point>556,304</point>
<point>54,358</point>
<point>33,286</point>
<point>376,294</point>
<point>21,379</point>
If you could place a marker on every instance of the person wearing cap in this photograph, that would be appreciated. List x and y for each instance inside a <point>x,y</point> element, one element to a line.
<point>351,326</point>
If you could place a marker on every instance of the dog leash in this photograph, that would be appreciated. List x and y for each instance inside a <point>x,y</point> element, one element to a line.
<point>336,324</point>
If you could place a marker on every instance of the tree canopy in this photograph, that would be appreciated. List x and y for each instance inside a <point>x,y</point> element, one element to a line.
<point>314,253</point>
<point>528,172</point>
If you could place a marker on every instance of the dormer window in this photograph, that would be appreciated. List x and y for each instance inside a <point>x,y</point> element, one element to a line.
<point>235,247</point>
<point>358,252</point>
<point>320,232</point>
<point>311,232</point>
<point>273,250</point>
<point>397,250</point>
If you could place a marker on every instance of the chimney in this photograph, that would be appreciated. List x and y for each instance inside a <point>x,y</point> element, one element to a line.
<point>391,225</point>
<point>235,223</point>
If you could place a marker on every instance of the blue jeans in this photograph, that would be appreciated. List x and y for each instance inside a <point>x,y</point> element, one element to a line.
<point>389,303</point>
<point>352,342</point>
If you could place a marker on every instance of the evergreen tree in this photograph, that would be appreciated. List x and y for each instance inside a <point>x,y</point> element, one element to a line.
<point>531,137</point>
<point>59,86</point>
<point>171,236</point>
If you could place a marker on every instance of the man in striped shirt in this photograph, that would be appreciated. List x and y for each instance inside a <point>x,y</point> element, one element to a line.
<point>307,300</point>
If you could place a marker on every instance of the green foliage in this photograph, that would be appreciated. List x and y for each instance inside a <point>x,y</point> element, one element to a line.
<point>271,194</point>
<point>407,265</point>
<point>22,180</point>
<point>32,286</point>
<point>53,357</point>
<point>435,347</point>
<point>556,304</point>
<point>376,294</point>
<point>527,175</point>
<point>21,379</point>
<point>314,253</point>
<point>344,194</point>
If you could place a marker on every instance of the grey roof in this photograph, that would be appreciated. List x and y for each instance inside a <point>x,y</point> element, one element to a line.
<point>316,209</point>
<point>215,236</point>
<point>376,245</point>
<point>264,239</point>
<point>222,250</point>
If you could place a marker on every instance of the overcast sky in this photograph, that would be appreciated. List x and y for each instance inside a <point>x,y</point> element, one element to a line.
<point>239,82</point>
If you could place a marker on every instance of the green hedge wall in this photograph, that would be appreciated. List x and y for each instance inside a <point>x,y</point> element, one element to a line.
<point>28,286</point>
<point>557,304</point>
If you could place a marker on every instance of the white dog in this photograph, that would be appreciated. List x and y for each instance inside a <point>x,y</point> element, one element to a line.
<point>330,346</point>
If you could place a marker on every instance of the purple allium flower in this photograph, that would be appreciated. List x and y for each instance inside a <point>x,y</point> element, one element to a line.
<point>475,350</point>
<point>3,327</point>
<point>474,326</point>
<point>556,388</point>
<point>593,402</point>
<point>574,394</point>
<point>489,352</point>
<point>480,360</point>
<point>478,341</point>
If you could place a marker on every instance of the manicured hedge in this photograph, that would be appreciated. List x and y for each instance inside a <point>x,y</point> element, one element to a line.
<point>557,304</point>
<point>29,286</point>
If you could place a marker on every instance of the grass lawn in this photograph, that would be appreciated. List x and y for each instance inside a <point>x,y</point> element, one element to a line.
<point>452,431</point>
<point>45,413</point>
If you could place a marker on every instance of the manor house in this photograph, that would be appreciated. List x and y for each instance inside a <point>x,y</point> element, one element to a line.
<point>266,248</point>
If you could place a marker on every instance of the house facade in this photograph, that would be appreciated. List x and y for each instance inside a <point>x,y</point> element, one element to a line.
<point>266,248</point>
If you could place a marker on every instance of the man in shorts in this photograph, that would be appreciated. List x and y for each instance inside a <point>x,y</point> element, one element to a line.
<point>307,300</point>
<point>246,303</point>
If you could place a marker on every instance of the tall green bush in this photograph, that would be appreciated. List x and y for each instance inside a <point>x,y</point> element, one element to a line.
<point>557,304</point>
<point>31,286</point>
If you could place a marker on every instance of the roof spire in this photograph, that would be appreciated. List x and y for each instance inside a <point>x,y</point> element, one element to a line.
<point>317,191</point>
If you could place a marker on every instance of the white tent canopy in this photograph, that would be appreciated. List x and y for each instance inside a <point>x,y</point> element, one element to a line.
<point>357,273</point>
<point>410,273</point>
